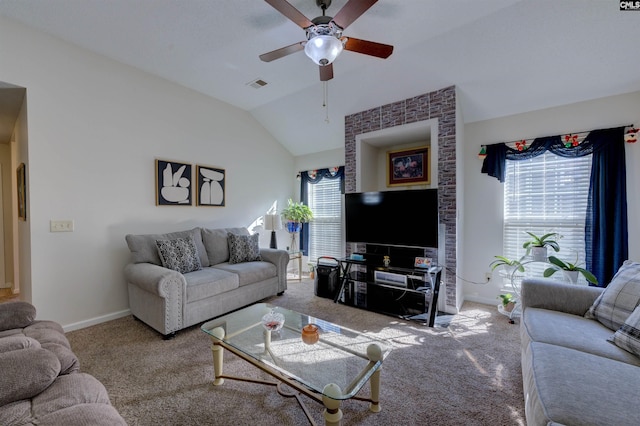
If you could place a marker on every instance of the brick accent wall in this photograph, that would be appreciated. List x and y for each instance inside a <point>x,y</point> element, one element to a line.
<point>440,104</point>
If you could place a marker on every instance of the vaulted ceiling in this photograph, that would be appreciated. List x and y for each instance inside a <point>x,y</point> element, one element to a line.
<point>504,56</point>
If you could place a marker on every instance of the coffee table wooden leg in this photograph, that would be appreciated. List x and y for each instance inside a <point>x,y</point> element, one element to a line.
<point>267,339</point>
<point>218,353</point>
<point>331,398</point>
<point>374,381</point>
<point>374,353</point>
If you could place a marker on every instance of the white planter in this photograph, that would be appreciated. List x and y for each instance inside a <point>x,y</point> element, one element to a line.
<point>573,276</point>
<point>539,254</point>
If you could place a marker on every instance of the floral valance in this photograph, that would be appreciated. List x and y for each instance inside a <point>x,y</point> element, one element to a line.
<point>315,176</point>
<point>570,145</point>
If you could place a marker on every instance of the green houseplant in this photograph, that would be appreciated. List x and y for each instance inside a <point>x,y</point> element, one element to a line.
<point>507,263</point>
<point>312,270</point>
<point>537,245</point>
<point>295,214</point>
<point>569,267</point>
<point>508,301</point>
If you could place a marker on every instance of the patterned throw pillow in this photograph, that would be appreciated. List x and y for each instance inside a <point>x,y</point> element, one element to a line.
<point>179,254</point>
<point>619,299</point>
<point>243,248</point>
<point>628,336</point>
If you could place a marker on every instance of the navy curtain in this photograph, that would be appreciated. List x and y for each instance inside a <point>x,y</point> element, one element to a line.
<point>313,177</point>
<point>606,224</point>
<point>606,239</point>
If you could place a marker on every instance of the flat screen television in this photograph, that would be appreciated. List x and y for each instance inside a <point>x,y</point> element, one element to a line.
<point>407,218</point>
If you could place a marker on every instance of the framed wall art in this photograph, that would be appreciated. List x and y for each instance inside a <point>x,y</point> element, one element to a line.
<point>409,166</point>
<point>22,192</point>
<point>173,183</point>
<point>210,183</point>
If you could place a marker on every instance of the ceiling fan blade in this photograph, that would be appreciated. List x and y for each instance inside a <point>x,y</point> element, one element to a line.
<point>352,11</point>
<point>326,72</point>
<point>290,12</point>
<point>283,51</point>
<point>368,47</point>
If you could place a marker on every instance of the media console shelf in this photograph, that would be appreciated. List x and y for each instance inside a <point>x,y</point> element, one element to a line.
<point>410,293</point>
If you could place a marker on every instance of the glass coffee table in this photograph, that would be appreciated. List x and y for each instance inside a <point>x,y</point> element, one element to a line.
<point>324,361</point>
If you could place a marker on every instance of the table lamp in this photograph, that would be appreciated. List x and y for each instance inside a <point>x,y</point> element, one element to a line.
<point>272,223</point>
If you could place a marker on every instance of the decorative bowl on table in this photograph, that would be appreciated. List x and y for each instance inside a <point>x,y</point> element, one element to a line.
<point>310,334</point>
<point>273,321</point>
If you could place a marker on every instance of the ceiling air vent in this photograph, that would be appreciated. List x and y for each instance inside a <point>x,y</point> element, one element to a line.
<point>257,83</point>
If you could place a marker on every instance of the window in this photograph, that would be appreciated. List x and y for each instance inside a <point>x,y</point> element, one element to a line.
<point>547,193</point>
<point>325,231</point>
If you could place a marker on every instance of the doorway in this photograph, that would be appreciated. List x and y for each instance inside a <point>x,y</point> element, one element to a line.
<point>12,100</point>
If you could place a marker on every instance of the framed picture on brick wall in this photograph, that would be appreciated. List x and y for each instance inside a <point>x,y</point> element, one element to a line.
<point>409,166</point>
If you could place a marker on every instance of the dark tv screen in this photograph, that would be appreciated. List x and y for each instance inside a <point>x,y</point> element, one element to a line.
<point>399,218</point>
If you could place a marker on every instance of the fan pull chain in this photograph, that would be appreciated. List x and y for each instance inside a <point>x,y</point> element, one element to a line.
<point>325,101</point>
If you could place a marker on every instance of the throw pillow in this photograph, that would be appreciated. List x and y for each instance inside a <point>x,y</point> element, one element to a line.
<point>144,249</point>
<point>16,314</point>
<point>619,299</point>
<point>180,255</point>
<point>243,248</point>
<point>628,336</point>
<point>216,243</point>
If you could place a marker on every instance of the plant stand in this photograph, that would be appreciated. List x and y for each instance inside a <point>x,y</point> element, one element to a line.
<point>293,246</point>
<point>513,313</point>
<point>515,277</point>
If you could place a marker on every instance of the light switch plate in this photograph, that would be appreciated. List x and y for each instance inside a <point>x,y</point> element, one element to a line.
<point>61,225</point>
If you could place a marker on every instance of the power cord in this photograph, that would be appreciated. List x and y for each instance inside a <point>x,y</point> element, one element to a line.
<point>463,279</point>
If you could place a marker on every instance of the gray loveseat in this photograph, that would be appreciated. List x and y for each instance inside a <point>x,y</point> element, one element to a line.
<point>40,378</point>
<point>222,270</point>
<point>574,371</point>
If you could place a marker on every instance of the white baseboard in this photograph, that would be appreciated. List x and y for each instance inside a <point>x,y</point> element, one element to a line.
<point>97,320</point>
<point>483,300</point>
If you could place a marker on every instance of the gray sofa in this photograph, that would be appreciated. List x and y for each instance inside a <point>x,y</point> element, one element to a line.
<point>222,271</point>
<point>573,372</point>
<point>40,378</point>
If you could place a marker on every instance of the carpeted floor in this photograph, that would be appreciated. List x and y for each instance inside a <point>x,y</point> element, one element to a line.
<point>465,373</point>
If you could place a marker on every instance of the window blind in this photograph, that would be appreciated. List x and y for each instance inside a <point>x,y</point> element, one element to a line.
<point>544,194</point>
<point>325,231</point>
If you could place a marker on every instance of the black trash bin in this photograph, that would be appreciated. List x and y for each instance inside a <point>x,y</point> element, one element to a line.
<point>327,281</point>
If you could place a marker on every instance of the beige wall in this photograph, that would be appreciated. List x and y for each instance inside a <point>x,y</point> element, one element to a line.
<point>6,271</point>
<point>20,229</point>
<point>95,128</point>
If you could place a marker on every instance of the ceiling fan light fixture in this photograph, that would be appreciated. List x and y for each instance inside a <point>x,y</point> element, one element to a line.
<point>323,49</point>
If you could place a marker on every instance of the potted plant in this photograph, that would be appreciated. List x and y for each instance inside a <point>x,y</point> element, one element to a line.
<point>508,301</point>
<point>511,265</point>
<point>312,270</point>
<point>296,214</point>
<point>537,246</point>
<point>572,270</point>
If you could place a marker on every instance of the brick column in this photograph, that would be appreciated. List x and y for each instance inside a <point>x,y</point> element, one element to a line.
<point>440,104</point>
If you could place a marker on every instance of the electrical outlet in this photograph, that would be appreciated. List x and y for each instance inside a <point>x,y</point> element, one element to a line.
<point>488,276</point>
<point>61,225</point>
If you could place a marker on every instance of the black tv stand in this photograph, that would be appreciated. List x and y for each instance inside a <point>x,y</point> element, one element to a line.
<point>414,296</point>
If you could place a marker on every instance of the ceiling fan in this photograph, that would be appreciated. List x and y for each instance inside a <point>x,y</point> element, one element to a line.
<point>324,35</point>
